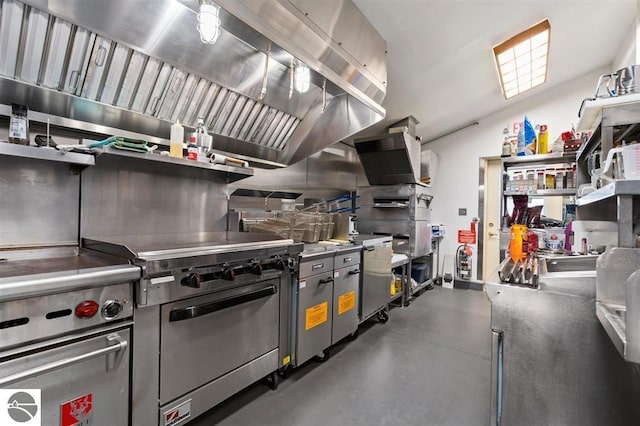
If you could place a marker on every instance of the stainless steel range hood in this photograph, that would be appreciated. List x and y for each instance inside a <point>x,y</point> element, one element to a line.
<point>138,66</point>
<point>390,159</point>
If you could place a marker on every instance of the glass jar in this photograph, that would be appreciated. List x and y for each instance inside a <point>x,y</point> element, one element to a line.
<point>550,180</point>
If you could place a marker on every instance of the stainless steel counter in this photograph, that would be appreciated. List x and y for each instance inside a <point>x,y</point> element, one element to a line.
<point>552,362</point>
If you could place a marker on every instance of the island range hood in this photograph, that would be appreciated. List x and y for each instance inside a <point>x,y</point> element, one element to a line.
<point>139,66</point>
<point>390,159</point>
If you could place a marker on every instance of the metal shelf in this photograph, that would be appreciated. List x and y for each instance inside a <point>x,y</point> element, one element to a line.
<point>47,154</point>
<point>551,158</point>
<point>421,286</point>
<point>232,173</point>
<point>545,192</point>
<point>396,297</point>
<point>614,189</point>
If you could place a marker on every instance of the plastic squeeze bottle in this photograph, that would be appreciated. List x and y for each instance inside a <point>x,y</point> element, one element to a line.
<point>175,143</point>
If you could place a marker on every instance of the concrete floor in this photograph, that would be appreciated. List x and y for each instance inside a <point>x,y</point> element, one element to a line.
<point>429,365</point>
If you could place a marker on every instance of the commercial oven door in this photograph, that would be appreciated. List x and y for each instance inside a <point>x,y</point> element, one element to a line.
<point>83,379</point>
<point>205,337</point>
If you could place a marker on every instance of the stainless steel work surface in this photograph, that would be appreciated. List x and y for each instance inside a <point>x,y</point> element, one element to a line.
<point>54,264</point>
<point>165,246</point>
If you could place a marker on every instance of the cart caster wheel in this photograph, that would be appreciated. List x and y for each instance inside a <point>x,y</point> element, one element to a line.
<point>273,380</point>
<point>382,317</point>
<point>353,336</point>
<point>322,357</point>
<point>407,303</point>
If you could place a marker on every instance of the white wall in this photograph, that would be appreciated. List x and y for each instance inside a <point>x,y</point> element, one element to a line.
<point>626,54</point>
<point>456,185</point>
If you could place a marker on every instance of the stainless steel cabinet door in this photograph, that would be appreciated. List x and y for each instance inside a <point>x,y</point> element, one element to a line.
<point>204,337</point>
<point>96,387</point>
<point>376,279</point>
<point>345,302</point>
<point>315,300</point>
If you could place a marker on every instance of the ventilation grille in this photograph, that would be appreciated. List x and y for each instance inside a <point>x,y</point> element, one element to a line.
<point>40,49</point>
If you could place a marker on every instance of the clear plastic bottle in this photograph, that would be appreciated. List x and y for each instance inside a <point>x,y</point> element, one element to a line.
<point>19,125</point>
<point>175,143</point>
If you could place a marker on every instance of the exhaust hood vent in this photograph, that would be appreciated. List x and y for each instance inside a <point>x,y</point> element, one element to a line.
<point>58,55</point>
<point>120,65</point>
<point>390,159</point>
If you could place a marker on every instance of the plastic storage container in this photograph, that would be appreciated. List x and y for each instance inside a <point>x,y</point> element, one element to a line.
<point>421,272</point>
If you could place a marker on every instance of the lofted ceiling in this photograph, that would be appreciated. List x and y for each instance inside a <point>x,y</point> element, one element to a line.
<point>440,61</point>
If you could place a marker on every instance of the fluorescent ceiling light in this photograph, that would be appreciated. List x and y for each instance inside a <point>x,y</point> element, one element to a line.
<point>523,60</point>
<point>209,22</point>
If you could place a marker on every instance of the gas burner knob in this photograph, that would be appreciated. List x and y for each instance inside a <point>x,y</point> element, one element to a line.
<point>228,274</point>
<point>192,280</point>
<point>111,309</point>
<point>256,268</point>
<point>280,264</point>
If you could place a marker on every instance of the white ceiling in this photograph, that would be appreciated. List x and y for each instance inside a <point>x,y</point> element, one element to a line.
<point>440,62</point>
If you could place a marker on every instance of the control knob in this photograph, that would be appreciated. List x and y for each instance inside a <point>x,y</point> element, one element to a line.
<point>111,309</point>
<point>192,280</point>
<point>228,274</point>
<point>256,268</point>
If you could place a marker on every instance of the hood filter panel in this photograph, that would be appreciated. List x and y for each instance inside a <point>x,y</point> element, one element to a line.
<point>47,51</point>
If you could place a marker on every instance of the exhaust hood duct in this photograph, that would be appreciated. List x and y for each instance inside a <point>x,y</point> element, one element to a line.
<point>390,159</point>
<point>125,66</point>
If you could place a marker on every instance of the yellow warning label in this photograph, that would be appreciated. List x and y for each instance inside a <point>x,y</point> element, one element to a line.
<point>346,302</point>
<point>316,315</point>
<point>286,360</point>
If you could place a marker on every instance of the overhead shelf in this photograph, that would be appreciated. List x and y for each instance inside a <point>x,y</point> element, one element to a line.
<point>232,173</point>
<point>545,192</point>
<point>47,154</point>
<point>540,158</point>
<point>614,189</point>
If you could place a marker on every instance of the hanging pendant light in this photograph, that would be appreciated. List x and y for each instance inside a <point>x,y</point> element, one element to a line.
<point>209,22</point>
<point>301,77</point>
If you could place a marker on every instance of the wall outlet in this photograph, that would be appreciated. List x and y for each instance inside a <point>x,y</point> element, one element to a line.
<point>462,212</point>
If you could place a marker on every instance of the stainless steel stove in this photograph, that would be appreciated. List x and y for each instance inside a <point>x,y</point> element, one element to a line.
<point>213,316</point>
<point>65,329</point>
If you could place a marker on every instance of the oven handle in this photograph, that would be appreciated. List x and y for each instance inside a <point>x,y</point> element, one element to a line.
<point>191,312</point>
<point>119,346</point>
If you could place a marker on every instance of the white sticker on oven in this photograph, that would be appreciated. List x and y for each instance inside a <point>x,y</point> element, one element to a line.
<point>303,284</point>
<point>20,407</point>
<point>160,280</point>
<point>177,414</point>
<point>336,274</point>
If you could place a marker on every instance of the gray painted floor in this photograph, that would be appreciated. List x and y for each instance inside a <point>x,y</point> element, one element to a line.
<point>428,365</point>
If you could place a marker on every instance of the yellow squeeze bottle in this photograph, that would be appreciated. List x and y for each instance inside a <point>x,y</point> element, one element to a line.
<point>175,143</point>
